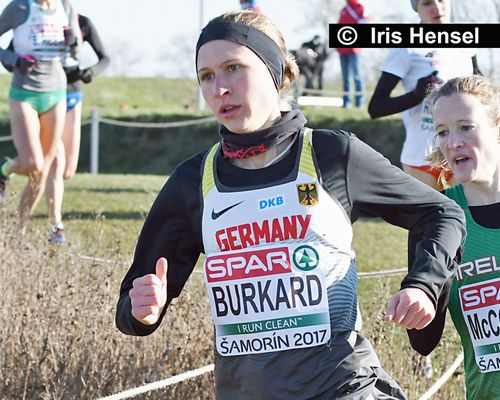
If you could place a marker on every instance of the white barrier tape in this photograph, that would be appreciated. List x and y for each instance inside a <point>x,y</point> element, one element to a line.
<point>441,381</point>
<point>160,384</point>
<point>5,138</point>
<point>158,124</point>
<point>382,273</point>
<point>322,92</point>
<point>96,259</point>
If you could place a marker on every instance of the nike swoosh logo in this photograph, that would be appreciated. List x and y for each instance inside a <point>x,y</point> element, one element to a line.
<point>216,215</point>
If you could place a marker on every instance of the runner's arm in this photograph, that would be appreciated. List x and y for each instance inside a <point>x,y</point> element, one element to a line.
<point>14,14</point>
<point>379,189</point>
<point>366,185</point>
<point>382,104</point>
<point>425,340</point>
<point>91,36</point>
<point>172,230</point>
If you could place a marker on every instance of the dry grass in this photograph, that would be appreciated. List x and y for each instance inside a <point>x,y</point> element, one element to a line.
<point>59,341</point>
<point>57,327</point>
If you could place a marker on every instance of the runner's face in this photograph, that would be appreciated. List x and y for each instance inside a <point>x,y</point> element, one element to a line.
<point>237,86</point>
<point>467,137</point>
<point>434,11</point>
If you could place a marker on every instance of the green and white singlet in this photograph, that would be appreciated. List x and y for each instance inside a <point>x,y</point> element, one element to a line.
<point>280,270</point>
<point>475,305</point>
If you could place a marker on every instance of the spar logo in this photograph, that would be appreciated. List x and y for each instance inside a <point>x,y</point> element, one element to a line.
<point>305,258</point>
<point>250,264</point>
<point>480,295</point>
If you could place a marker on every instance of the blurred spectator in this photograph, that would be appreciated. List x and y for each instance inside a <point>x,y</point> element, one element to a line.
<point>353,13</point>
<point>311,60</point>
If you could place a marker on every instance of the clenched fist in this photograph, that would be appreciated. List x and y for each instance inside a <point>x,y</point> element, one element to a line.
<point>149,294</point>
<point>411,308</point>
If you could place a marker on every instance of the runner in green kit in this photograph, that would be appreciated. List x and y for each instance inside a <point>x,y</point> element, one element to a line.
<point>467,121</point>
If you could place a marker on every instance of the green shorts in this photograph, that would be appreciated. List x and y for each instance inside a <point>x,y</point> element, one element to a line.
<point>40,101</point>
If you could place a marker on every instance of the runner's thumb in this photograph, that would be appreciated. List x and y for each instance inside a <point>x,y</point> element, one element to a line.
<point>161,270</point>
<point>391,308</point>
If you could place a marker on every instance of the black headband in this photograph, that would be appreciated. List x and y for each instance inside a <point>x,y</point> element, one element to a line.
<point>257,41</point>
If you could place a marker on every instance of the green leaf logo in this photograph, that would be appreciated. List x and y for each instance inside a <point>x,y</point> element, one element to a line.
<point>305,258</point>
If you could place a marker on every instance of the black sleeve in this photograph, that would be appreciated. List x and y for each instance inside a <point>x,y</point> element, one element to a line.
<point>13,15</point>
<point>425,340</point>
<point>382,104</point>
<point>91,36</point>
<point>379,189</point>
<point>367,185</point>
<point>9,68</point>
<point>172,230</point>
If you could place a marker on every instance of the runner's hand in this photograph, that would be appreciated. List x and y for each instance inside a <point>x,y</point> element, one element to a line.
<point>411,308</point>
<point>86,75</point>
<point>426,84</point>
<point>69,36</point>
<point>149,294</point>
<point>77,74</point>
<point>25,63</point>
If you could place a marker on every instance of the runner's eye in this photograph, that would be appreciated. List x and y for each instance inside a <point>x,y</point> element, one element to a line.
<point>206,76</point>
<point>233,67</point>
<point>467,128</point>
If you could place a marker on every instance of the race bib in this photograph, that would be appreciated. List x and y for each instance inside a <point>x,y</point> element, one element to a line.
<point>480,304</point>
<point>270,299</point>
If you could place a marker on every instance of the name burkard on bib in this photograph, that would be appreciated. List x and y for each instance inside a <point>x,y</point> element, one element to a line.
<point>268,298</point>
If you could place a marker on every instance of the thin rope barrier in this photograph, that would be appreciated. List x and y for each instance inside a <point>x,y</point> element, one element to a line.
<point>160,384</point>
<point>175,124</point>
<point>441,381</point>
<point>110,121</point>
<point>97,259</point>
<point>382,273</point>
<point>210,367</point>
<point>372,274</point>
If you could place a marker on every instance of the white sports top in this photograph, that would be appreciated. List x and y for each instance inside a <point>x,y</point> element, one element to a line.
<point>279,262</point>
<point>411,65</point>
<point>42,34</point>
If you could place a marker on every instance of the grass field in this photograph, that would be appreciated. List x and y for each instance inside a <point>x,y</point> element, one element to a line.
<point>57,327</point>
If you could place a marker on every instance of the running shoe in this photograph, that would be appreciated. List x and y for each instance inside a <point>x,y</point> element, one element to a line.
<point>56,234</point>
<point>4,179</point>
